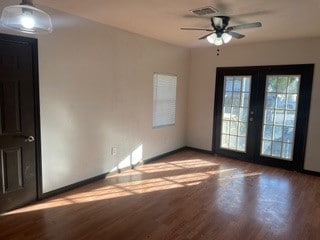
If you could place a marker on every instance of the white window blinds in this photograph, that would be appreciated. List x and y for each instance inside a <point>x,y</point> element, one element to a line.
<point>164,100</point>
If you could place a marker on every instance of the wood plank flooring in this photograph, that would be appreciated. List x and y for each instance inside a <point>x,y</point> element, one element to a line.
<point>188,195</point>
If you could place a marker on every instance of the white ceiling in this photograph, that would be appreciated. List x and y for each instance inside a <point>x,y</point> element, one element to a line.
<point>162,19</point>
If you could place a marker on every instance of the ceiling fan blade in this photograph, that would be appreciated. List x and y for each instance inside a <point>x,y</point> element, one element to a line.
<point>250,14</point>
<point>236,35</point>
<point>205,36</point>
<point>198,29</point>
<point>245,26</point>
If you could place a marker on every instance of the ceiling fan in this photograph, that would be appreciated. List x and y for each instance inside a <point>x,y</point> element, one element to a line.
<point>221,33</point>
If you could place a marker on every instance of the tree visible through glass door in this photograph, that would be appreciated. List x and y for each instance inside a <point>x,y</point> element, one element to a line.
<point>280,114</point>
<point>235,112</point>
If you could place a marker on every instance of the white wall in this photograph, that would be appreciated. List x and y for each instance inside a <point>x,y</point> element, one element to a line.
<point>202,85</point>
<point>96,93</point>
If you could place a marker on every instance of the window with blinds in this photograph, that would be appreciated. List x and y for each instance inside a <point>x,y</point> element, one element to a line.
<point>164,100</point>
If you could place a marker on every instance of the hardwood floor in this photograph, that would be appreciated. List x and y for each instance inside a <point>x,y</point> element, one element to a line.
<point>188,195</point>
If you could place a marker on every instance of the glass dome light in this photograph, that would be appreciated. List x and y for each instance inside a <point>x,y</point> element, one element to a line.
<point>27,21</point>
<point>218,41</point>
<point>26,18</point>
<point>226,37</point>
<point>215,39</point>
<point>211,38</point>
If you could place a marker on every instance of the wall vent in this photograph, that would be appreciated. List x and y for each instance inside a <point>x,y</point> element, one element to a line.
<point>204,11</point>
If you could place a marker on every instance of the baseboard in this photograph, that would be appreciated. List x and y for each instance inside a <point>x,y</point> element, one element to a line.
<point>311,172</point>
<point>102,176</point>
<point>199,150</point>
<point>72,186</point>
<point>163,155</point>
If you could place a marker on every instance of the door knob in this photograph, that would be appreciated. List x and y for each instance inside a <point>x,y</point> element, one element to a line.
<point>29,139</point>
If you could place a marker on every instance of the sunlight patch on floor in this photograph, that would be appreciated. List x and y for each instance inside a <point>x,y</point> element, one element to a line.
<point>127,187</point>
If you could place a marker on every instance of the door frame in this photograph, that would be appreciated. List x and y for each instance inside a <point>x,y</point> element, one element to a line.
<point>33,42</point>
<point>303,110</point>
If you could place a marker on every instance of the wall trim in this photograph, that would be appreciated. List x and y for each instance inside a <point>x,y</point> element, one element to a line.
<point>199,150</point>
<point>102,176</point>
<point>73,186</point>
<point>309,172</point>
<point>149,160</point>
<point>304,171</point>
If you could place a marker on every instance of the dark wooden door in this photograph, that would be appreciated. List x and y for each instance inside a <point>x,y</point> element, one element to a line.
<point>18,175</point>
<point>261,114</point>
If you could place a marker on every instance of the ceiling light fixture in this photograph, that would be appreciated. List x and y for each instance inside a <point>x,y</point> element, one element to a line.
<point>219,39</point>
<point>226,37</point>
<point>26,18</point>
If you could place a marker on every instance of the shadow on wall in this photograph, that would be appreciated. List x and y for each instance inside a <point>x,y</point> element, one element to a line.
<point>131,160</point>
<point>80,127</point>
<point>71,148</point>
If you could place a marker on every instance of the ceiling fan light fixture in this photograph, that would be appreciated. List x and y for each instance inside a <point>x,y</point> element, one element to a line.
<point>220,33</point>
<point>214,39</point>
<point>218,41</point>
<point>226,37</point>
<point>211,38</point>
<point>26,18</point>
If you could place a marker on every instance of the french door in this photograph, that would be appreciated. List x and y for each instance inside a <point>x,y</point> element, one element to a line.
<point>261,114</point>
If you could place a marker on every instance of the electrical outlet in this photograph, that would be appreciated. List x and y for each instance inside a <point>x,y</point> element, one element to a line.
<point>113,151</point>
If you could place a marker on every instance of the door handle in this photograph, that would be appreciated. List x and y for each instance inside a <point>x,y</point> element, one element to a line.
<point>29,139</point>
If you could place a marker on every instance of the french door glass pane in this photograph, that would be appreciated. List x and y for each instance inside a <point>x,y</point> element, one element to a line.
<point>235,112</point>
<point>280,113</point>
